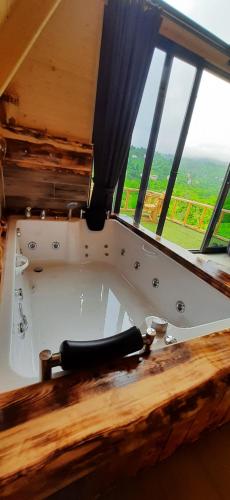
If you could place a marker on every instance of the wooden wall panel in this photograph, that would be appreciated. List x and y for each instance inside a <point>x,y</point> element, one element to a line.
<point>45,173</point>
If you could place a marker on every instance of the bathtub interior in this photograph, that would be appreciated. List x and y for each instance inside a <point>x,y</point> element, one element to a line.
<point>84,285</point>
<point>72,243</point>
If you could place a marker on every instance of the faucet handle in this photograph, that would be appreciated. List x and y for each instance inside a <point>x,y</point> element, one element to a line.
<point>71,206</point>
<point>28,212</point>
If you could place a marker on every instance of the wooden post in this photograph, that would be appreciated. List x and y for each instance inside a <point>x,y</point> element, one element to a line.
<point>187,213</point>
<point>202,218</point>
<point>127,199</point>
<point>174,209</point>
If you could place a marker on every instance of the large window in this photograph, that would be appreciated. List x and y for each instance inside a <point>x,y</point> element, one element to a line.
<point>179,154</point>
<point>203,165</point>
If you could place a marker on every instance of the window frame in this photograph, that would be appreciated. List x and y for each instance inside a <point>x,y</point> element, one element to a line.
<point>171,50</point>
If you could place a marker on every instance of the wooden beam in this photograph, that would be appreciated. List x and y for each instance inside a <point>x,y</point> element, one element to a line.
<point>111,422</point>
<point>41,138</point>
<point>192,41</point>
<point>19,32</point>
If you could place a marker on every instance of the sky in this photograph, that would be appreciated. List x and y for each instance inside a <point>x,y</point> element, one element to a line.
<point>209,132</point>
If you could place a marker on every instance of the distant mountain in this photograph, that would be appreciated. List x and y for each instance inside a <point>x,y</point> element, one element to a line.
<point>198,178</point>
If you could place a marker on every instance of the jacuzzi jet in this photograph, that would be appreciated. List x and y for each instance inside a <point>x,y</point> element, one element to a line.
<point>38,269</point>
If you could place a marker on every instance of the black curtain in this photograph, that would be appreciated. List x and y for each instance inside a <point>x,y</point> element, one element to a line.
<point>129,34</point>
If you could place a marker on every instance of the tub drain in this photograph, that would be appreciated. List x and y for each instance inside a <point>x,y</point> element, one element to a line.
<point>38,269</point>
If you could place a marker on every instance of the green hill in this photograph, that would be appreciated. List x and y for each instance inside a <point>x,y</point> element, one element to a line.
<point>198,179</point>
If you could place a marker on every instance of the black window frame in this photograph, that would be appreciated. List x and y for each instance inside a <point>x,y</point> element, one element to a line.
<point>171,50</point>
<point>205,248</point>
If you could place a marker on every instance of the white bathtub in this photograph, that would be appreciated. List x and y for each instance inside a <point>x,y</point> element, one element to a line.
<point>90,287</point>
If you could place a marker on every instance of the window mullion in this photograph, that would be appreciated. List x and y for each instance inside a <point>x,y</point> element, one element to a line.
<point>153,136</point>
<point>179,150</point>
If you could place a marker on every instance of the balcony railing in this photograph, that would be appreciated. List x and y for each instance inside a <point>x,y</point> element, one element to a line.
<point>188,213</point>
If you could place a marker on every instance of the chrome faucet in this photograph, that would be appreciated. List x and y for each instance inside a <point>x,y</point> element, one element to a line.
<point>71,206</point>
<point>43,215</point>
<point>28,212</point>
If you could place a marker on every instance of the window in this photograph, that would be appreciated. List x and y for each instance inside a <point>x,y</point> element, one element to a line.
<point>173,114</point>
<point>190,154</point>
<point>203,165</point>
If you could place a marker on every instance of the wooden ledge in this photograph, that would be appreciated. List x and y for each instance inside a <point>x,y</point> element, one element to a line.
<point>208,271</point>
<point>111,423</point>
<point>41,138</point>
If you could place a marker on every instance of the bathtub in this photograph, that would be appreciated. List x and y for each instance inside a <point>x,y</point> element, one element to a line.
<point>83,285</point>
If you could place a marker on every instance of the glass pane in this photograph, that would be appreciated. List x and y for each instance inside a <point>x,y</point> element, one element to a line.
<point>203,165</point>
<point>174,111</point>
<point>213,15</point>
<point>221,235</point>
<point>140,135</point>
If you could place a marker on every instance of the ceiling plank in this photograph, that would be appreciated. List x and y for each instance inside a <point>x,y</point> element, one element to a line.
<point>19,32</point>
<point>56,84</point>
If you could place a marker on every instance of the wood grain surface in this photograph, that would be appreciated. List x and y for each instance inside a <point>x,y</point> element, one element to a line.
<point>56,83</point>
<point>112,422</point>
<point>191,40</point>
<point>17,35</point>
<point>44,172</point>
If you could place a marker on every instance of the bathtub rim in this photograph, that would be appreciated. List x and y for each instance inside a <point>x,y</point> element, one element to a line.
<point>209,272</point>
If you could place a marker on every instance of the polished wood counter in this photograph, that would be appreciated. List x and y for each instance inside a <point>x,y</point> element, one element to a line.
<point>113,422</point>
<point>208,271</point>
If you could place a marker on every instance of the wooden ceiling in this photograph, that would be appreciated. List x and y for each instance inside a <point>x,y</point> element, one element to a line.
<point>5,6</point>
<point>55,86</point>
<point>54,80</point>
